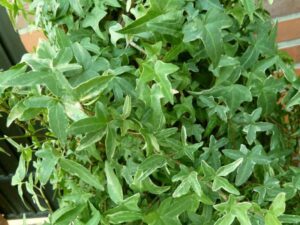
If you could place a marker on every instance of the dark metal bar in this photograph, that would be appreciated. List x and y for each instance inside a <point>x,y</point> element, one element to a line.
<point>10,39</point>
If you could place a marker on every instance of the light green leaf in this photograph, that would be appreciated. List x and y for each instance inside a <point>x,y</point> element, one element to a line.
<point>92,87</point>
<point>47,165</point>
<point>127,107</point>
<point>122,217</point>
<point>182,189</point>
<point>229,168</point>
<point>114,187</point>
<point>81,172</point>
<point>16,112</point>
<point>20,173</point>
<point>148,185</point>
<point>241,213</point>
<point>58,122</point>
<point>225,220</point>
<point>193,180</point>
<point>162,70</point>
<point>271,219</point>
<point>39,102</point>
<point>222,183</point>
<point>278,204</point>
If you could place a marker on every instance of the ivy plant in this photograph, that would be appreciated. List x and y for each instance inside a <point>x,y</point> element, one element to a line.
<point>157,112</point>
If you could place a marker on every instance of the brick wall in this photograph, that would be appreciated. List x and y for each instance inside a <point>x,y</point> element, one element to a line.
<point>287,14</point>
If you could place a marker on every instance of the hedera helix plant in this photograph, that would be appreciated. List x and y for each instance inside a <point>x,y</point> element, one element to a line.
<point>158,112</point>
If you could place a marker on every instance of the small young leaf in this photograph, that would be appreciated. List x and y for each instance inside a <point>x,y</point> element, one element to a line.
<point>127,107</point>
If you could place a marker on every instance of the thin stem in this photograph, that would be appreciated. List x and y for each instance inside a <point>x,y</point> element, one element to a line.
<point>137,47</point>
<point>25,136</point>
<point>46,200</point>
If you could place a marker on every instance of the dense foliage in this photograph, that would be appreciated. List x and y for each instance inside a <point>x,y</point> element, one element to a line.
<point>158,112</point>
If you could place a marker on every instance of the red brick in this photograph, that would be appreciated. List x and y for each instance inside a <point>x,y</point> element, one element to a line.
<point>288,30</point>
<point>294,52</point>
<point>30,40</point>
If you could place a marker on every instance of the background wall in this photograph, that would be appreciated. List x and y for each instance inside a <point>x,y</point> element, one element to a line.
<point>287,13</point>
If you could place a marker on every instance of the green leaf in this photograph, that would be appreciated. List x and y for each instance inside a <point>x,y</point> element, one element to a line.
<point>271,219</point>
<point>92,87</point>
<point>110,141</point>
<point>225,220</point>
<point>93,18</point>
<point>250,7</point>
<point>138,26</point>
<point>148,166</point>
<point>90,139</point>
<point>81,172</point>
<point>244,172</point>
<point>27,79</point>
<point>241,213</point>
<point>222,183</point>
<point>157,8</point>
<point>58,122</point>
<point>87,125</point>
<point>278,204</point>
<point>16,112</point>
<point>66,215</point>
<point>234,95</point>
<point>209,31</point>
<point>124,217</point>
<point>182,189</point>
<point>47,165</point>
<point>170,209</point>
<point>127,107</point>
<point>148,185</point>
<point>291,219</point>
<point>76,5</point>
<point>114,187</point>
<point>39,102</point>
<point>20,173</point>
<point>295,100</point>
<point>289,72</point>
<point>162,70</point>
<point>96,216</point>
<point>229,168</point>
